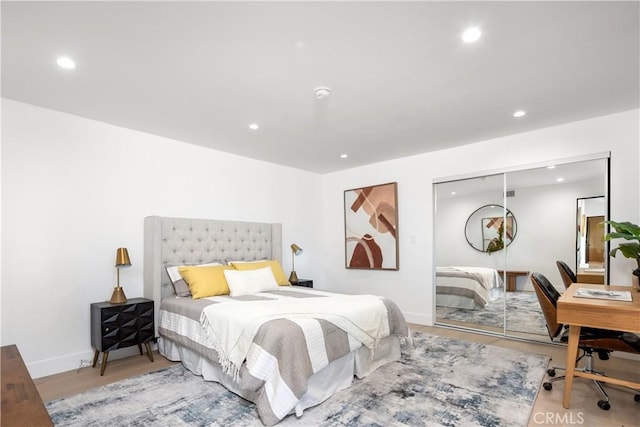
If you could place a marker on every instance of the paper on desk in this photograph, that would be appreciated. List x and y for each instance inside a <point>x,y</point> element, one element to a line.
<point>603,294</point>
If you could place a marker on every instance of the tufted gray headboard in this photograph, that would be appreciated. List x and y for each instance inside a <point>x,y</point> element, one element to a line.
<point>196,241</point>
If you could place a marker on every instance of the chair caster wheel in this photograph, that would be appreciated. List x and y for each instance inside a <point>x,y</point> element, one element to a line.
<point>547,386</point>
<point>636,397</point>
<point>551,372</point>
<point>604,405</point>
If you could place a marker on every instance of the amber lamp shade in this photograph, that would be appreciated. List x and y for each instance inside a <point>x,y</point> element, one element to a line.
<point>122,260</point>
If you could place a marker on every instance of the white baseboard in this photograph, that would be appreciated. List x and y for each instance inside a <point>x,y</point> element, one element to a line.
<point>419,319</point>
<point>71,362</point>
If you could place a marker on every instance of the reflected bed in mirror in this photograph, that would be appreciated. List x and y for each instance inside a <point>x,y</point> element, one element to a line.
<point>467,287</point>
<point>473,297</point>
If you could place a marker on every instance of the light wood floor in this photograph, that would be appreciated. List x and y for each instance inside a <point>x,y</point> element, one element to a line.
<point>547,411</point>
<point>79,380</point>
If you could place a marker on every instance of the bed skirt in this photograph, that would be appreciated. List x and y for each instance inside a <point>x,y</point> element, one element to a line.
<point>459,301</point>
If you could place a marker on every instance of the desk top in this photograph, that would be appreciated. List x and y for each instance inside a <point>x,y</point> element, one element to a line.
<point>600,313</point>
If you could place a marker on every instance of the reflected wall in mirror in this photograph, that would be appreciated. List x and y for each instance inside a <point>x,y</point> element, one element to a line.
<point>543,200</point>
<point>590,245</point>
<point>490,228</point>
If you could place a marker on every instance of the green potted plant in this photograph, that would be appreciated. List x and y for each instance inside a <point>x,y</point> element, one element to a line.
<point>497,243</point>
<point>628,231</point>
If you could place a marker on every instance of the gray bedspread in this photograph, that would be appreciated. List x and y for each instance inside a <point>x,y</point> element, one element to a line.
<point>469,282</point>
<point>284,353</point>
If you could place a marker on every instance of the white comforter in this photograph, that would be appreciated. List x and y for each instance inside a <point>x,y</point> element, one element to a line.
<point>232,326</point>
<point>487,277</point>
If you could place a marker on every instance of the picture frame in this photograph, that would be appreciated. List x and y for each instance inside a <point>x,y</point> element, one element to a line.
<point>495,234</point>
<point>371,227</point>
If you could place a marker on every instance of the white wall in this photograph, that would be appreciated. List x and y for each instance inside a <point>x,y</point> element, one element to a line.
<point>74,190</point>
<point>411,287</point>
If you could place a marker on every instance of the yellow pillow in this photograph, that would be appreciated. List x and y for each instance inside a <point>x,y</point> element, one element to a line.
<point>205,281</point>
<point>276,268</point>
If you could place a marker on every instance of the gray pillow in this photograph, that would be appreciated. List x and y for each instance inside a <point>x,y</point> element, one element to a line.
<point>179,285</point>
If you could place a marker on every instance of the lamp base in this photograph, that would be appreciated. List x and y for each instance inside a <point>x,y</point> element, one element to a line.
<point>294,277</point>
<point>118,296</point>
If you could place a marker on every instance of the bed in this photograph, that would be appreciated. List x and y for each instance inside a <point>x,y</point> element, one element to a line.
<point>286,364</point>
<point>467,287</point>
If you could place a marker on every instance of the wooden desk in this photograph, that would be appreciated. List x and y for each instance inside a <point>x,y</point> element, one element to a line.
<point>511,278</point>
<point>21,402</point>
<point>596,313</point>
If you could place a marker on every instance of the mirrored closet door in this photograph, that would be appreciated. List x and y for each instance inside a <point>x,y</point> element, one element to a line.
<point>492,231</point>
<point>469,233</point>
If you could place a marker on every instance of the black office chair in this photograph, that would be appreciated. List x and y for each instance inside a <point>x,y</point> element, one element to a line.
<point>567,274</point>
<point>601,341</point>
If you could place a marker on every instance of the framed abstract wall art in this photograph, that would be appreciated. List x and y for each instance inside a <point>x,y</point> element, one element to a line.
<point>371,227</point>
<point>494,233</point>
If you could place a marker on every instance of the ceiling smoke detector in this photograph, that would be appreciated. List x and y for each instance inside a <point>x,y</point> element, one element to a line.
<point>322,92</point>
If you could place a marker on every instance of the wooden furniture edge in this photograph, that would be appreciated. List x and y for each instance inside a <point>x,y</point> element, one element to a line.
<point>21,404</point>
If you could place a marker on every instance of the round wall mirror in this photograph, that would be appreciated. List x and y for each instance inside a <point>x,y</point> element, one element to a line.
<point>490,228</point>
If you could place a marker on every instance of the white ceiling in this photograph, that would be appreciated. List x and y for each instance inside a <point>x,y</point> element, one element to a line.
<point>402,80</point>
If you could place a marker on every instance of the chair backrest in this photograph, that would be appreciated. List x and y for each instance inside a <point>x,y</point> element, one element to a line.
<point>548,299</point>
<point>568,276</point>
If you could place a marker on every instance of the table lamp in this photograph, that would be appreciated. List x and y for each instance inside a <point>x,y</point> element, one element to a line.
<point>295,251</point>
<point>122,260</point>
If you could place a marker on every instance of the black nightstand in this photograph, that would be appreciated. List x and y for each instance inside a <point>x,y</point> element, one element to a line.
<point>115,326</point>
<point>304,282</point>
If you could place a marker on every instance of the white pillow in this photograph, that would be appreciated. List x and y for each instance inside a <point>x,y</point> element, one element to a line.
<point>247,282</point>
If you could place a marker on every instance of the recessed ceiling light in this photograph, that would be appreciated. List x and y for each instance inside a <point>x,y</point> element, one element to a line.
<point>322,92</point>
<point>519,113</point>
<point>471,35</point>
<point>453,193</point>
<point>344,156</point>
<point>66,63</point>
<point>254,126</point>
<point>560,179</point>
<point>551,167</point>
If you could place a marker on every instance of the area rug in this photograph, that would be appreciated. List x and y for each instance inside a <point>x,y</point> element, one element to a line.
<point>523,314</point>
<point>437,382</point>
